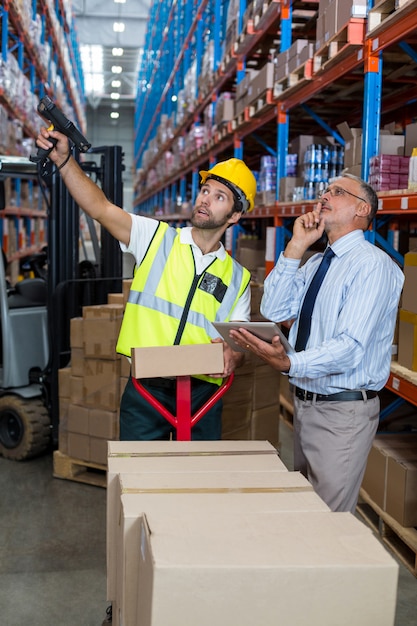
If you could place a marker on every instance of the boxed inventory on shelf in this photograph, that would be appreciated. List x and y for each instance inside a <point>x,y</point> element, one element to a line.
<point>384,447</point>
<point>389,143</point>
<point>263,568</point>
<point>407,340</point>
<point>409,294</point>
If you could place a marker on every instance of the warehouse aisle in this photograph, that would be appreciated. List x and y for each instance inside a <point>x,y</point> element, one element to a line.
<point>53,548</point>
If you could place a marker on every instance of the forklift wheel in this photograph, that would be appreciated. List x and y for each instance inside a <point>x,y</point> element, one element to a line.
<point>25,429</point>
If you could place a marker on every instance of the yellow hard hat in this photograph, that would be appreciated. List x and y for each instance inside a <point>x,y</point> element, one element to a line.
<point>236,175</point>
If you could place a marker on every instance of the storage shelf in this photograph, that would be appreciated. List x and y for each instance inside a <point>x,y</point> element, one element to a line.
<point>403,382</point>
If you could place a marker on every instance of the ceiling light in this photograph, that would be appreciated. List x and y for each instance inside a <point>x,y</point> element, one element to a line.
<point>92,62</point>
<point>116,69</point>
<point>114,95</point>
<point>116,83</point>
<point>117,52</point>
<point>114,115</point>
<point>119,1</point>
<point>118,27</point>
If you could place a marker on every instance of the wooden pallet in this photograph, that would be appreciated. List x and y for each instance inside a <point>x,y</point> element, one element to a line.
<point>294,79</point>
<point>267,11</point>
<point>262,103</point>
<point>382,12</point>
<point>342,43</point>
<point>400,540</point>
<point>78,470</point>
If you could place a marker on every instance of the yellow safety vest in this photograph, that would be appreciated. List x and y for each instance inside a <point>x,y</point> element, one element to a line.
<point>169,304</point>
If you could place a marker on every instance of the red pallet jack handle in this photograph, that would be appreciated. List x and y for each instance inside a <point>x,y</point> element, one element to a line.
<point>183,421</point>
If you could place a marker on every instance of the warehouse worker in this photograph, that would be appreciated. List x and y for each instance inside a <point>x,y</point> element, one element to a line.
<point>337,368</point>
<point>184,280</point>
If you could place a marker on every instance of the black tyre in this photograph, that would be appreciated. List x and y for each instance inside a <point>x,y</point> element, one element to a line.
<point>25,429</point>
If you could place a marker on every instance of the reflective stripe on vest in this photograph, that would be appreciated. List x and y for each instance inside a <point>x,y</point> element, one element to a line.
<point>152,319</point>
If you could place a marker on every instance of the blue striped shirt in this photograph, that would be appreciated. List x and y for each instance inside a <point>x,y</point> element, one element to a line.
<point>353,319</point>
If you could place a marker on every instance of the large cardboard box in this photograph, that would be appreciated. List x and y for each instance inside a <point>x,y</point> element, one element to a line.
<point>177,360</point>
<point>178,456</point>
<point>272,568</point>
<point>198,498</point>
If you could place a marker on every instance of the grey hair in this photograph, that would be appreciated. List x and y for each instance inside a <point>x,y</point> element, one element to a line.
<point>368,192</point>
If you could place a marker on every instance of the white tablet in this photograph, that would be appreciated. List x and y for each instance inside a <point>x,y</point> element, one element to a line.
<point>262,330</point>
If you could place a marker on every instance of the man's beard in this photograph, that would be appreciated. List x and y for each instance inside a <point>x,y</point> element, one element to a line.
<point>208,223</point>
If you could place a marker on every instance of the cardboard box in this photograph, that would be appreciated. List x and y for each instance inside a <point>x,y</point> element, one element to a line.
<point>198,497</point>
<point>177,360</point>
<point>101,330</point>
<point>401,488</point>
<point>77,361</point>
<point>409,294</point>
<point>410,138</point>
<point>101,384</point>
<point>263,81</point>
<point>225,110</point>
<point>76,332</point>
<point>375,479</point>
<point>407,340</point>
<point>77,419</point>
<point>272,568</point>
<point>64,382</point>
<point>179,456</point>
<point>287,185</point>
<point>103,424</point>
<point>388,143</point>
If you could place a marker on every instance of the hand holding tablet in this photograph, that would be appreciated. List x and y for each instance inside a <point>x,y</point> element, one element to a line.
<point>262,330</point>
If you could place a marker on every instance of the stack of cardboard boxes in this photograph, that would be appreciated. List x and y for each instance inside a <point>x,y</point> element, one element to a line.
<point>91,387</point>
<point>221,533</point>
<point>390,480</point>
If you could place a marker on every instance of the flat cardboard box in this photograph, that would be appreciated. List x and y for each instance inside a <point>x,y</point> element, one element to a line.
<point>177,360</point>
<point>196,497</point>
<point>273,568</point>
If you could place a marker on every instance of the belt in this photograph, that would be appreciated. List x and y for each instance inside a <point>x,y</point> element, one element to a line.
<point>342,396</point>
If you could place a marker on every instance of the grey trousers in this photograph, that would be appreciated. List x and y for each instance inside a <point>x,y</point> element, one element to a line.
<point>332,441</point>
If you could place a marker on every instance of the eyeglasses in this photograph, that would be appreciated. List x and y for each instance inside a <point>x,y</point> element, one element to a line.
<point>335,192</point>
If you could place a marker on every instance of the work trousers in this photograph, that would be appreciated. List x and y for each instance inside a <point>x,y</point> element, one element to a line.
<point>140,421</point>
<point>332,441</point>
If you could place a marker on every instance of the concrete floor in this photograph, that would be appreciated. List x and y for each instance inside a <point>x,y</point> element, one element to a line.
<point>53,548</point>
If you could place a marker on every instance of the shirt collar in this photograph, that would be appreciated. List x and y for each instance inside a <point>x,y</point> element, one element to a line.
<point>186,237</point>
<point>347,242</point>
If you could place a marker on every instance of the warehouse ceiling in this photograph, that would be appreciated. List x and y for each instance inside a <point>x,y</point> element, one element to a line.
<point>106,27</point>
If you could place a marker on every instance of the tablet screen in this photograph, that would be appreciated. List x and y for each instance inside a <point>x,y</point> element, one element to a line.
<point>262,330</point>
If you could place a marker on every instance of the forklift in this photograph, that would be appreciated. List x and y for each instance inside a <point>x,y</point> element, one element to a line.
<point>35,313</point>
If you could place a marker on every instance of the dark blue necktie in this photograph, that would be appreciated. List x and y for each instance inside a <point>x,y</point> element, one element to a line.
<point>304,323</point>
